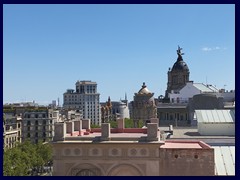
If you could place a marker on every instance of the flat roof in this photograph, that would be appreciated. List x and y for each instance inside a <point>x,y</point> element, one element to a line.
<point>185,145</point>
<point>215,116</point>
<point>96,134</point>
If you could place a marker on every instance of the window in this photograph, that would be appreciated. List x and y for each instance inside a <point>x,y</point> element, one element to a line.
<point>181,117</point>
<point>28,123</point>
<point>175,79</point>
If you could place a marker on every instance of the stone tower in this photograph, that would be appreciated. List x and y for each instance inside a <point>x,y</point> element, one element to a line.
<point>178,76</point>
<point>144,107</point>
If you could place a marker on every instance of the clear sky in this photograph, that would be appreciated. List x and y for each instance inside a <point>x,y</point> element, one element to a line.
<point>47,48</point>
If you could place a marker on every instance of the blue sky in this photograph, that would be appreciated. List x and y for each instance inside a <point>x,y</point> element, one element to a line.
<point>47,48</point>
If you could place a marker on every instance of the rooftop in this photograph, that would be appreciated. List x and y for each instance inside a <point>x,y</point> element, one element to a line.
<point>215,116</point>
<point>205,88</point>
<point>191,133</point>
<point>185,145</point>
<point>224,160</point>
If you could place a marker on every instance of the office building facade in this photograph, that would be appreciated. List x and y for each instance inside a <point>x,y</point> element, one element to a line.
<point>84,99</point>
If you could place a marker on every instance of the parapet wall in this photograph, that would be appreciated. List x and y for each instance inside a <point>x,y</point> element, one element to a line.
<point>185,162</point>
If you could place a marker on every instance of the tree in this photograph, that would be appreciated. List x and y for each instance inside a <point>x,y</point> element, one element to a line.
<point>113,124</point>
<point>129,123</point>
<point>20,160</point>
<point>95,126</point>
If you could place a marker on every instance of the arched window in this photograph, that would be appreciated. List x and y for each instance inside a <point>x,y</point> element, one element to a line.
<point>86,172</point>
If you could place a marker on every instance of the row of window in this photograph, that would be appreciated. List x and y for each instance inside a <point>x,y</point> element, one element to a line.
<point>44,122</point>
<point>173,116</point>
<point>11,139</point>
<point>86,97</point>
<point>35,115</point>
<point>89,108</point>
<point>42,128</point>
<point>81,103</point>
<point>37,134</point>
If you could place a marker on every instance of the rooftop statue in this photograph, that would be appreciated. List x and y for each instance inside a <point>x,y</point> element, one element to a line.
<point>179,52</point>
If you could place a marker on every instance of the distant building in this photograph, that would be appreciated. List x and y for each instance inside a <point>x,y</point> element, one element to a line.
<point>216,122</point>
<point>183,97</point>
<point>11,130</point>
<point>32,123</point>
<point>189,90</point>
<point>114,109</point>
<point>178,76</point>
<point>143,107</point>
<point>85,99</point>
<point>38,125</point>
<point>53,104</point>
<point>120,109</point>
<point>173,114</point>
<point>106,111</point>
<point>68,115</point>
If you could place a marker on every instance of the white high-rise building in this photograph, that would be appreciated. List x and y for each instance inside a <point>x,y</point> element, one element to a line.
<point>85,99</point>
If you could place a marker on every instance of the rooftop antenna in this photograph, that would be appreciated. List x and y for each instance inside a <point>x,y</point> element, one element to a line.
<point>206,80</point>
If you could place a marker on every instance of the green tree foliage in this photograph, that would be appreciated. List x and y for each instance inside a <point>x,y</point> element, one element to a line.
<point>20,160</point>
<point>95,126</point>
<point>140,123</point>
<point>113,124</point>
<point>129,123</point>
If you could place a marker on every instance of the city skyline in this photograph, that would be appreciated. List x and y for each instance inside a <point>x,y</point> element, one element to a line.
<point>48,48</point>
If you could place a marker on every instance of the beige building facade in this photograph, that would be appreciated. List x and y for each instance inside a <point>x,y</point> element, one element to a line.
<point>11,131</point>
<point>126,152</point>
<point>143,106</point>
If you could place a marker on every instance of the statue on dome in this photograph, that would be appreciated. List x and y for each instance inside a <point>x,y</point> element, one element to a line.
<point>179,52</point>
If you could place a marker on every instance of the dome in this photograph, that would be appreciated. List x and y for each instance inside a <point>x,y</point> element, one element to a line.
<point>144,90</point>
<point>180,65</point>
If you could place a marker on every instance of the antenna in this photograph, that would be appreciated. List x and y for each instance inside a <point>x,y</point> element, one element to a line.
<point>206,80</point>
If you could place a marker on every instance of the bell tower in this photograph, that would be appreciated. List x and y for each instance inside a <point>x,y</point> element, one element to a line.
<point>178,75</point>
